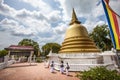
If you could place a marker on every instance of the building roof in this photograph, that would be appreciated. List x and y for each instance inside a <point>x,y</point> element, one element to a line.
<point>18,47</point>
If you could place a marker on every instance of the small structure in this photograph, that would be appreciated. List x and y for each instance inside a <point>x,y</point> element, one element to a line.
<point>22,52</point>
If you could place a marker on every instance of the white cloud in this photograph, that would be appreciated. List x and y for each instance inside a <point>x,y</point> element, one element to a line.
<point>14,28</point>
<point>26,23</point>
<point>60,29</point>
<point>7,39</point>
<point>82,7</point>
<point>115,5</point>
<point>40,5</point>
<point>5,9</point>
<point>54,16</point>
<point>36,21</point>
<point>30,21</point>
<point>97,11</point>
<point>23,14</point>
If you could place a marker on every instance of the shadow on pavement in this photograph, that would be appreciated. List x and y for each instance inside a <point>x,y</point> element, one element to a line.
<point>25,65</point>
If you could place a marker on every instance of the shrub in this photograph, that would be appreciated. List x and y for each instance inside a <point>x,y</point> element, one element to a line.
<point>39,60</point>
<point>3,53</point>
<point>99,73</point>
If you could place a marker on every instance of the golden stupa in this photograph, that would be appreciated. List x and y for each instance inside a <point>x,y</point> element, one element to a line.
<point>77,39</point>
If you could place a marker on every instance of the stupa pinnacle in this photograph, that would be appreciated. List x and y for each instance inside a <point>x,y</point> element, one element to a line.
<point>74,18</point>
<point>77,39</point>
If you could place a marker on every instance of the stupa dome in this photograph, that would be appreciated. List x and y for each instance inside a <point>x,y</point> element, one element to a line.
<point>77,39</point>
<point>76,30</point>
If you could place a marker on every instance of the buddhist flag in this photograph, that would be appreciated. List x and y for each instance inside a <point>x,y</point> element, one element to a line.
<point>113,23</point>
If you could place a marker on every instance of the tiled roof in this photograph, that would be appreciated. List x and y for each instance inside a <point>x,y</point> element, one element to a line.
<point>18,47</point>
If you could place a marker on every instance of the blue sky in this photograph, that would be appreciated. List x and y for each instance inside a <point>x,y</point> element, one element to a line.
<point>47,20</point>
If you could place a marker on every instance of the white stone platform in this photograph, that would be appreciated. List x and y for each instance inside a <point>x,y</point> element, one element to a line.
<point>83,61</point>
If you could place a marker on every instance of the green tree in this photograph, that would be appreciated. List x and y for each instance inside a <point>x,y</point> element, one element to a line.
<point>101,36</point>
<point>3,53</point>
<point>55,47</point>
<point>29,42</point>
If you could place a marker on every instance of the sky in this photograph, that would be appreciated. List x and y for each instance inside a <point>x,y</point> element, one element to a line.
<point>46,21</point>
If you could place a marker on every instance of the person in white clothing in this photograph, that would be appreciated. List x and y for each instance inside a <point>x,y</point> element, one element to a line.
<point>52,67</point>
<point>67,69</point>
<point>61,67</point>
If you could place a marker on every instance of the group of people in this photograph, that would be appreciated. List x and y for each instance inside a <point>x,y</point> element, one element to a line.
<point>62,68</point>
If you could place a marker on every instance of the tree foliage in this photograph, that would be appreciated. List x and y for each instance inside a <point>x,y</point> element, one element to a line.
<point>3,53</point>
<point>55,47</point>
<point>99,73</point>
<point>101,36</point>
<point>29,42</point>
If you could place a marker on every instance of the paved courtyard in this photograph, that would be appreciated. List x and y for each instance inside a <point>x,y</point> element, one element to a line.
<point>37,71</point>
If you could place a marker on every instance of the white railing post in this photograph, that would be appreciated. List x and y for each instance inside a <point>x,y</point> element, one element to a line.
<point>6,61</point>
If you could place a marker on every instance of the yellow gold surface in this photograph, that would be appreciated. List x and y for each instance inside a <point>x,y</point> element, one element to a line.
<point>77,39</point>
<point>76,30</point>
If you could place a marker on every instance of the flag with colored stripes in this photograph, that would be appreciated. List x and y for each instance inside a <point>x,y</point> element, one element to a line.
<point>113,23</point>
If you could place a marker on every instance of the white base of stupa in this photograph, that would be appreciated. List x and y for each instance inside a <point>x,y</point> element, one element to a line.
<point>82,61</point>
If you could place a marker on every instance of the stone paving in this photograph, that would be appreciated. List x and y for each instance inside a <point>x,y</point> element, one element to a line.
<point>37,71</point>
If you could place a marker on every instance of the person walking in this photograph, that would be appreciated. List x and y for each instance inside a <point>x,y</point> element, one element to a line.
<point>52,67</point>
<point>67,69</point>
<point>61,67</point>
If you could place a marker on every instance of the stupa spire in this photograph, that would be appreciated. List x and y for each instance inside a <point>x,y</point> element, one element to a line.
<point>74,18</point>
